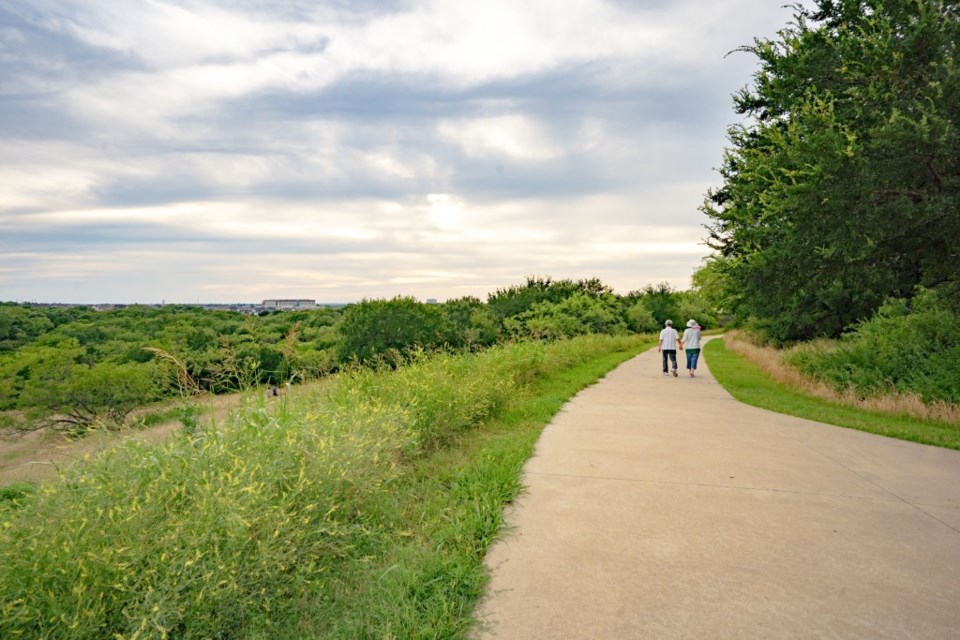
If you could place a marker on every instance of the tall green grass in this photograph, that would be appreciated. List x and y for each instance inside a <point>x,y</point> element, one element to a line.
<point>361,512</point>
<point>748,383</point>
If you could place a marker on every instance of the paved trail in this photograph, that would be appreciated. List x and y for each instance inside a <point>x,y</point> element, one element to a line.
<point>662,508</point>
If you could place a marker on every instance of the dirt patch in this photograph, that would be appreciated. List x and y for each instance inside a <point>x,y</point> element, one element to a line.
<point>37,455</point>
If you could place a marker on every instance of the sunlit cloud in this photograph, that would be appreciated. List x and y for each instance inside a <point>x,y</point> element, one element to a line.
<point>511,136</point>
<point>226,151</point>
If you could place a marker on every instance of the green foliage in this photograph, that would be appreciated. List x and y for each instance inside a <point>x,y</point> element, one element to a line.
<point>712,286</point>
<point>19,325</point>
<point>662,302</point>
<point>695,307</point>
<point>374,329</point>
<point>18,369</point>
<point>578,314</point>
<point>79,397</point>
<point>16,496</point>
<point>192,350</point>
<point>207,344</point>
<point>842,188</point>
<point>515,300</point>
<point>640,320</point>
<point>470,323</point>
<point>910,346</point>
<point>747,383</point>
<point>198,538</point>
<point>267,524</point>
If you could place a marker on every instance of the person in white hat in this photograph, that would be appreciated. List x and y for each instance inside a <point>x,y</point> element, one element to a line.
<point>691,338</point>
<point>668,346</point>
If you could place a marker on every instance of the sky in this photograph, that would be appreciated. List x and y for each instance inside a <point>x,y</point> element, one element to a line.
<point>187,151</point>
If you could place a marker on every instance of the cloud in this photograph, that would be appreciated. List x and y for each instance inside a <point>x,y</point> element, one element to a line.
<point>513,137</point>
<point>220,149</point>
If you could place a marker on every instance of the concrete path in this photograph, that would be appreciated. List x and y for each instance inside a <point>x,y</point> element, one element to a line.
<point>662,508</point>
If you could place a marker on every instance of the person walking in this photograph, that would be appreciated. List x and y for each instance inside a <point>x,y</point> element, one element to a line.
<point>668,346</point>
<point>691,340</point>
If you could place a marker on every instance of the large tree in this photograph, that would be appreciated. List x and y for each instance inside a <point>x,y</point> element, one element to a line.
<point>841,187</point>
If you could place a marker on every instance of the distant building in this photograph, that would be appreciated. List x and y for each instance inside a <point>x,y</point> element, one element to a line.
<point>289,305</point>
<point>432,301</point>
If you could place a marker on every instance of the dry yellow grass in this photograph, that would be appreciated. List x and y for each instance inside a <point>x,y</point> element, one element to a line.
<point>770,360</point>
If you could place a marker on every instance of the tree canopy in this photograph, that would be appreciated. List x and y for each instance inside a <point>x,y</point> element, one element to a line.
<point>840,189</point>
<point>78,368</point>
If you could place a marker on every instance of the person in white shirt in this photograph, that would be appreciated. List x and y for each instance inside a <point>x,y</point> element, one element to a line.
<point>668,346</point>
<point>691,338</point>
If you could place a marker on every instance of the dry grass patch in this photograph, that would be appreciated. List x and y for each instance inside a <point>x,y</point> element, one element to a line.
<point>770,360</point>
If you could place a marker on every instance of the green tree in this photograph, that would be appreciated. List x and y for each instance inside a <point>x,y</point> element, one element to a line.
<point>640,320</point>
<point>576,315</point>
<point>78,397</point>
<point>470,323</point>
<point>23,368</point>
<point>711,283</point>
<point>661,300</point>
<point>516,299</point>
<point>694,306</point>
<point>374,329</point>
<point>19,325</point>
<point>842,187</point>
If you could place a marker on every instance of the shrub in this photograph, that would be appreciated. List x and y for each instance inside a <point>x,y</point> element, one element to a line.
<point>77,397</point>
<point>579,314</point>
<point>196,538</point>
<point>640,320</point>
<point>907,347</point>
<point>376,328</point>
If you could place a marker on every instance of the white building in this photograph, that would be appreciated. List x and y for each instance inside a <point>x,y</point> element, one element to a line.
<point>290,304</point>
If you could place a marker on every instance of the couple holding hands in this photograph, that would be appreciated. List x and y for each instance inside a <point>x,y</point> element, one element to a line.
<point>669,339</point>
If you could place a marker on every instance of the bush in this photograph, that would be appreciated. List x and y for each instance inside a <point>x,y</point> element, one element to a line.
<point>374,329</point>
<point>640,320</point>
<point>77,397</point>
<point>577,315</point>
<point>907,347</point>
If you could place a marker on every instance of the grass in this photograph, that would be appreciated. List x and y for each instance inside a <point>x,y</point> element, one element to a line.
<point>782,366</point>
<point>428,586</point>
<point>748,383</point>
<point>363,511</point>
<point>17,494</point>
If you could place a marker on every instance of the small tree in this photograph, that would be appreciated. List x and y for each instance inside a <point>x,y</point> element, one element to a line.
<point>76,397</point>
<point>576,315</point>
<point>378,328</point>
<point>470,323</point>
<point>640,320</point>
<point>662,302</point>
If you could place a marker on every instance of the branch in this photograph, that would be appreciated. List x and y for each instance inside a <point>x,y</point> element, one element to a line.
<point>915,196</point>
<point>937,179</point>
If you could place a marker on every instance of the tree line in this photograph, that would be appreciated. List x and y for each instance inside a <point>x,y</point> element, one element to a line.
<point>78,367</point>
<point>841,187</point>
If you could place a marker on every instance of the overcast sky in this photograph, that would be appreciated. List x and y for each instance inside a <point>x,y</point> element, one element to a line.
<point>235,150</point>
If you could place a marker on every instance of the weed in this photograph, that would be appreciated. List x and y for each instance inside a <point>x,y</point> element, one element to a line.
<point>16,495</point>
